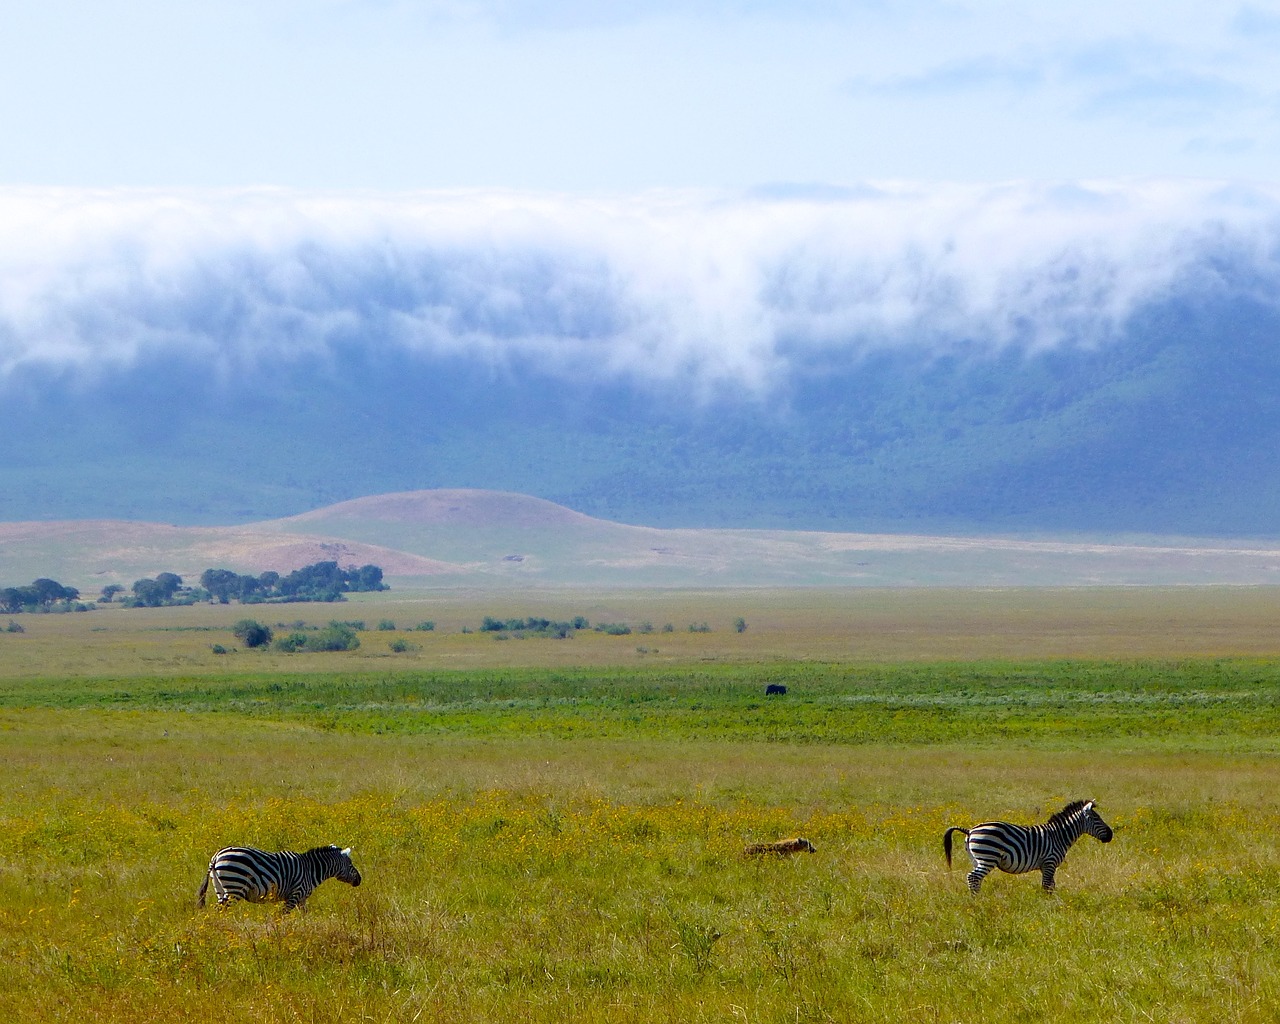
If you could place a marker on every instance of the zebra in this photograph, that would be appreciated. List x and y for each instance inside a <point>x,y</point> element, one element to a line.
<point>1020,848</point>
<point>243,873</point>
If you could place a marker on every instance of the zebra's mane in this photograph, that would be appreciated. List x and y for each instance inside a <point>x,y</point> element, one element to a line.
<point>316,850</point>
<point>1072,808</point>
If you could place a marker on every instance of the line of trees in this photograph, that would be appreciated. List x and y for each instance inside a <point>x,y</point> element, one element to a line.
<point>321,581</point>
<point>42,595</point>
<point>536,626</point>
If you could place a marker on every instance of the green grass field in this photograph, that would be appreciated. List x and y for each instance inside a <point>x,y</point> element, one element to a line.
<point>552,830</point>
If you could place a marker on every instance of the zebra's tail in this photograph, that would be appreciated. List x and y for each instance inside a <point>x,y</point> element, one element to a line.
<point>946,840</point>
<point>204,887</point>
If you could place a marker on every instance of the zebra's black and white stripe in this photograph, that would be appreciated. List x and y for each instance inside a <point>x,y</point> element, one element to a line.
<point>1020,848</point>
<point>243,873</point>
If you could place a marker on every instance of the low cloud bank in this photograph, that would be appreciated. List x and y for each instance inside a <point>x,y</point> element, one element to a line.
<point>704,290</point>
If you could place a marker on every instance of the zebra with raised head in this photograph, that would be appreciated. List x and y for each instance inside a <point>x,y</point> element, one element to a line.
<point>243,873</point>
<point>1021,848</point>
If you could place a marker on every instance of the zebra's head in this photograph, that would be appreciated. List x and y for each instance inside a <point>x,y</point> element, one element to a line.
<point>346,870</point>
<point>1094,825</point>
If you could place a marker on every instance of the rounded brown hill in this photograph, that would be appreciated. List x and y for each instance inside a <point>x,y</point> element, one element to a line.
<point>449,507</point>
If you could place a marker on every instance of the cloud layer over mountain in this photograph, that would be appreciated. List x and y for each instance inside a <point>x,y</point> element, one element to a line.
<point>1082,356</point>
<point>705,291</point>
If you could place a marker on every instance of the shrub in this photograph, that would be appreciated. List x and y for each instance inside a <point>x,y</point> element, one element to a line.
<point>425,627</point>
<point>291,642</point>
<point>252,633</point>
<point>386,625</point>
<point>337,636</point>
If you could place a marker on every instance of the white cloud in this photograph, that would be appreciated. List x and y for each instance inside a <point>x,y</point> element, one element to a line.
<point>706,289</point>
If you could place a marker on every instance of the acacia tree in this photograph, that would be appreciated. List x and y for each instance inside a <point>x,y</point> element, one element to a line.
<point>222,584</point>
<point>148,592</point>
<point>169,584</point>
<point>48,591</point>
<point>41,593</point>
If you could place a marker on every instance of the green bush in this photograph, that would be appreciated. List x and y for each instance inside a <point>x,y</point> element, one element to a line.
<point>337,636</point>
<point>291,642</point>
<point>252,633</point>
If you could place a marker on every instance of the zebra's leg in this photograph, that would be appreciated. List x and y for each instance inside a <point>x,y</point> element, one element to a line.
<point>220,888</point>
<point>975,877</point>
<point>1046,876</point>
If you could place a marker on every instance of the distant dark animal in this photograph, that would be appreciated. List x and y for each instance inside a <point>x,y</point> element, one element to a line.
<point>774,688</point>
<point>782,848</point>
<point>242,873</point>
<point>1021,848</point>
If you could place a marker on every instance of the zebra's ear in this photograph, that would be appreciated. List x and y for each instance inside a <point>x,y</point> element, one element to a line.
<point>347,852</point>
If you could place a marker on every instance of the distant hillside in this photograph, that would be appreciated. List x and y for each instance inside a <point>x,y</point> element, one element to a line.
<point>474,538</point>
<point>1175,430</point>
<point>92,553</point>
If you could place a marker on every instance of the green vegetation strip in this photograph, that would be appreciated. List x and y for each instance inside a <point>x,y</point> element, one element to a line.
<point>1219,704</point>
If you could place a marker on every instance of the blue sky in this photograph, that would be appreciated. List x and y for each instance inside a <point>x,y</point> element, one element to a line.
<point>576,96</point>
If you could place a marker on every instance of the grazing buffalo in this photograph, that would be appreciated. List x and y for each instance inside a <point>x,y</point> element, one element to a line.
<point>775,689</point>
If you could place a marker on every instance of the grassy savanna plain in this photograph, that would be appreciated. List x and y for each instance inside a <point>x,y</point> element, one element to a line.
<point>551,829</point>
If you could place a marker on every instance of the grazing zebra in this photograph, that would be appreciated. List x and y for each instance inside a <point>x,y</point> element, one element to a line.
<point>782,848</point>
<point>241,873</point>
<point>1020,848</point>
